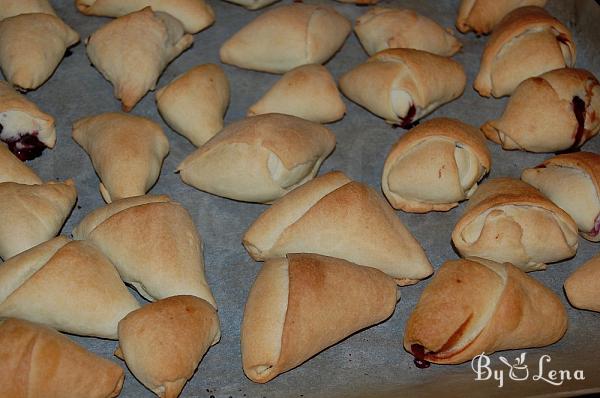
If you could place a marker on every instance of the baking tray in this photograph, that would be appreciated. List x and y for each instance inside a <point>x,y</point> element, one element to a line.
<point>369,363</point>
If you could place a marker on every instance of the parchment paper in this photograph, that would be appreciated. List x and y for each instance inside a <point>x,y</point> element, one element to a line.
<point>372,362</point>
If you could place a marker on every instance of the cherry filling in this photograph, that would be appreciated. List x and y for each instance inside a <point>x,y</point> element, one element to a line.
<point>419,352</point>
<point>562,38</point>
<point>580,134</point>
<point>594,232</point>
<point>579,110</point>
<point>26,146</point>
<point>407,121</point>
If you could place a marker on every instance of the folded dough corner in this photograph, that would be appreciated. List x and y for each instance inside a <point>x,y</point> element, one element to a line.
<point>68,285</point>
<point>32,214</point>
<point>153,243</point>
<point>402,85</point>
<point>474,305</point>
<point>335,216</point>
<point>37,361</point>
<point>304,303</point>
<point>287,36</point>
<point>508,220</point>
<point>259,158</point>
<point>185,326</point>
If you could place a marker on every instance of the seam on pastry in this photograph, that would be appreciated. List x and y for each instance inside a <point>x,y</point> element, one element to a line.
<point>407,152</point>
<point>307,41</point>
<point>293,221</point>
<point>26,276</point>
<point>482,324</point>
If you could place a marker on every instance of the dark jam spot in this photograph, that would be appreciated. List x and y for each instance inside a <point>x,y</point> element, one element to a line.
<point>419,352</point>
<point>26,147</point>
<point>562,38</point>
<point>594,232</point>
<point>580,133</point>
<point>407,121</point>
<point>579,110</point>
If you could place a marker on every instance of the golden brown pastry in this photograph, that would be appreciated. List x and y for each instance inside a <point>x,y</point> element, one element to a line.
<point>481,16</point>
<point>14,170</point>
<point>69,286</point>
<point>252,4</point>
<point>132,51</point>
<point>195,15</point>
<point>40,362</point>
<point>381,28</point>
<point>127,152</point>
<point>308,92</point>
<point>32,214</point>
<point>304,303</point>
<point>583,286</point>
<point>526,43</point>
<point>184,326</point>
<point>306,34</point>
<point>556,111</point>
<point>335,216</point>
<point>259,159</point>
<point>11,8</point>
<point>403,85</point>
<point>23,126</point>
<point>572,182</point>
<point>474,305</point>
<point>434,166</point>
<point>32,46</point>
<point>194,103</point>
<point>507,220</point>
<point>153,243</point>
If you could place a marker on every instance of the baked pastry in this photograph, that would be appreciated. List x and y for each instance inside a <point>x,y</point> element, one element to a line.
<point>132,51</point>
<point>32,214</point>
<point>11,8</point>
<point>434,166</point>
<point>195,15</point>
<point>572,182</point>
<point>69,286</point>
<point>32,46</point>
<point>583,286</point>
<point>482,16</point>
<point>40,362</point>
<point>474,305</point>
<point>304,303</point>
<point>153,243</point>
<point>252,4</point>
<point>259,159</point>
<point>306,34</point>
<point>402,85</point>
<point>553,112</point>
<point>127,152</point>
<point>14,170</point>
<point>23,126</point>
<point>185,326</point>
<point>381,28</point>
<point>507,220</point>
<point>194,103</point>
<point>526,43</point>
<point>308,92</point>
<point>335,216</point>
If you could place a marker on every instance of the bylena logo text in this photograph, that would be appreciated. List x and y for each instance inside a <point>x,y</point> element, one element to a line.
<point>519,371</point>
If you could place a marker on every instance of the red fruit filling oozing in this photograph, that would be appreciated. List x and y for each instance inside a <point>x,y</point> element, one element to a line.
<point>26,146</point>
